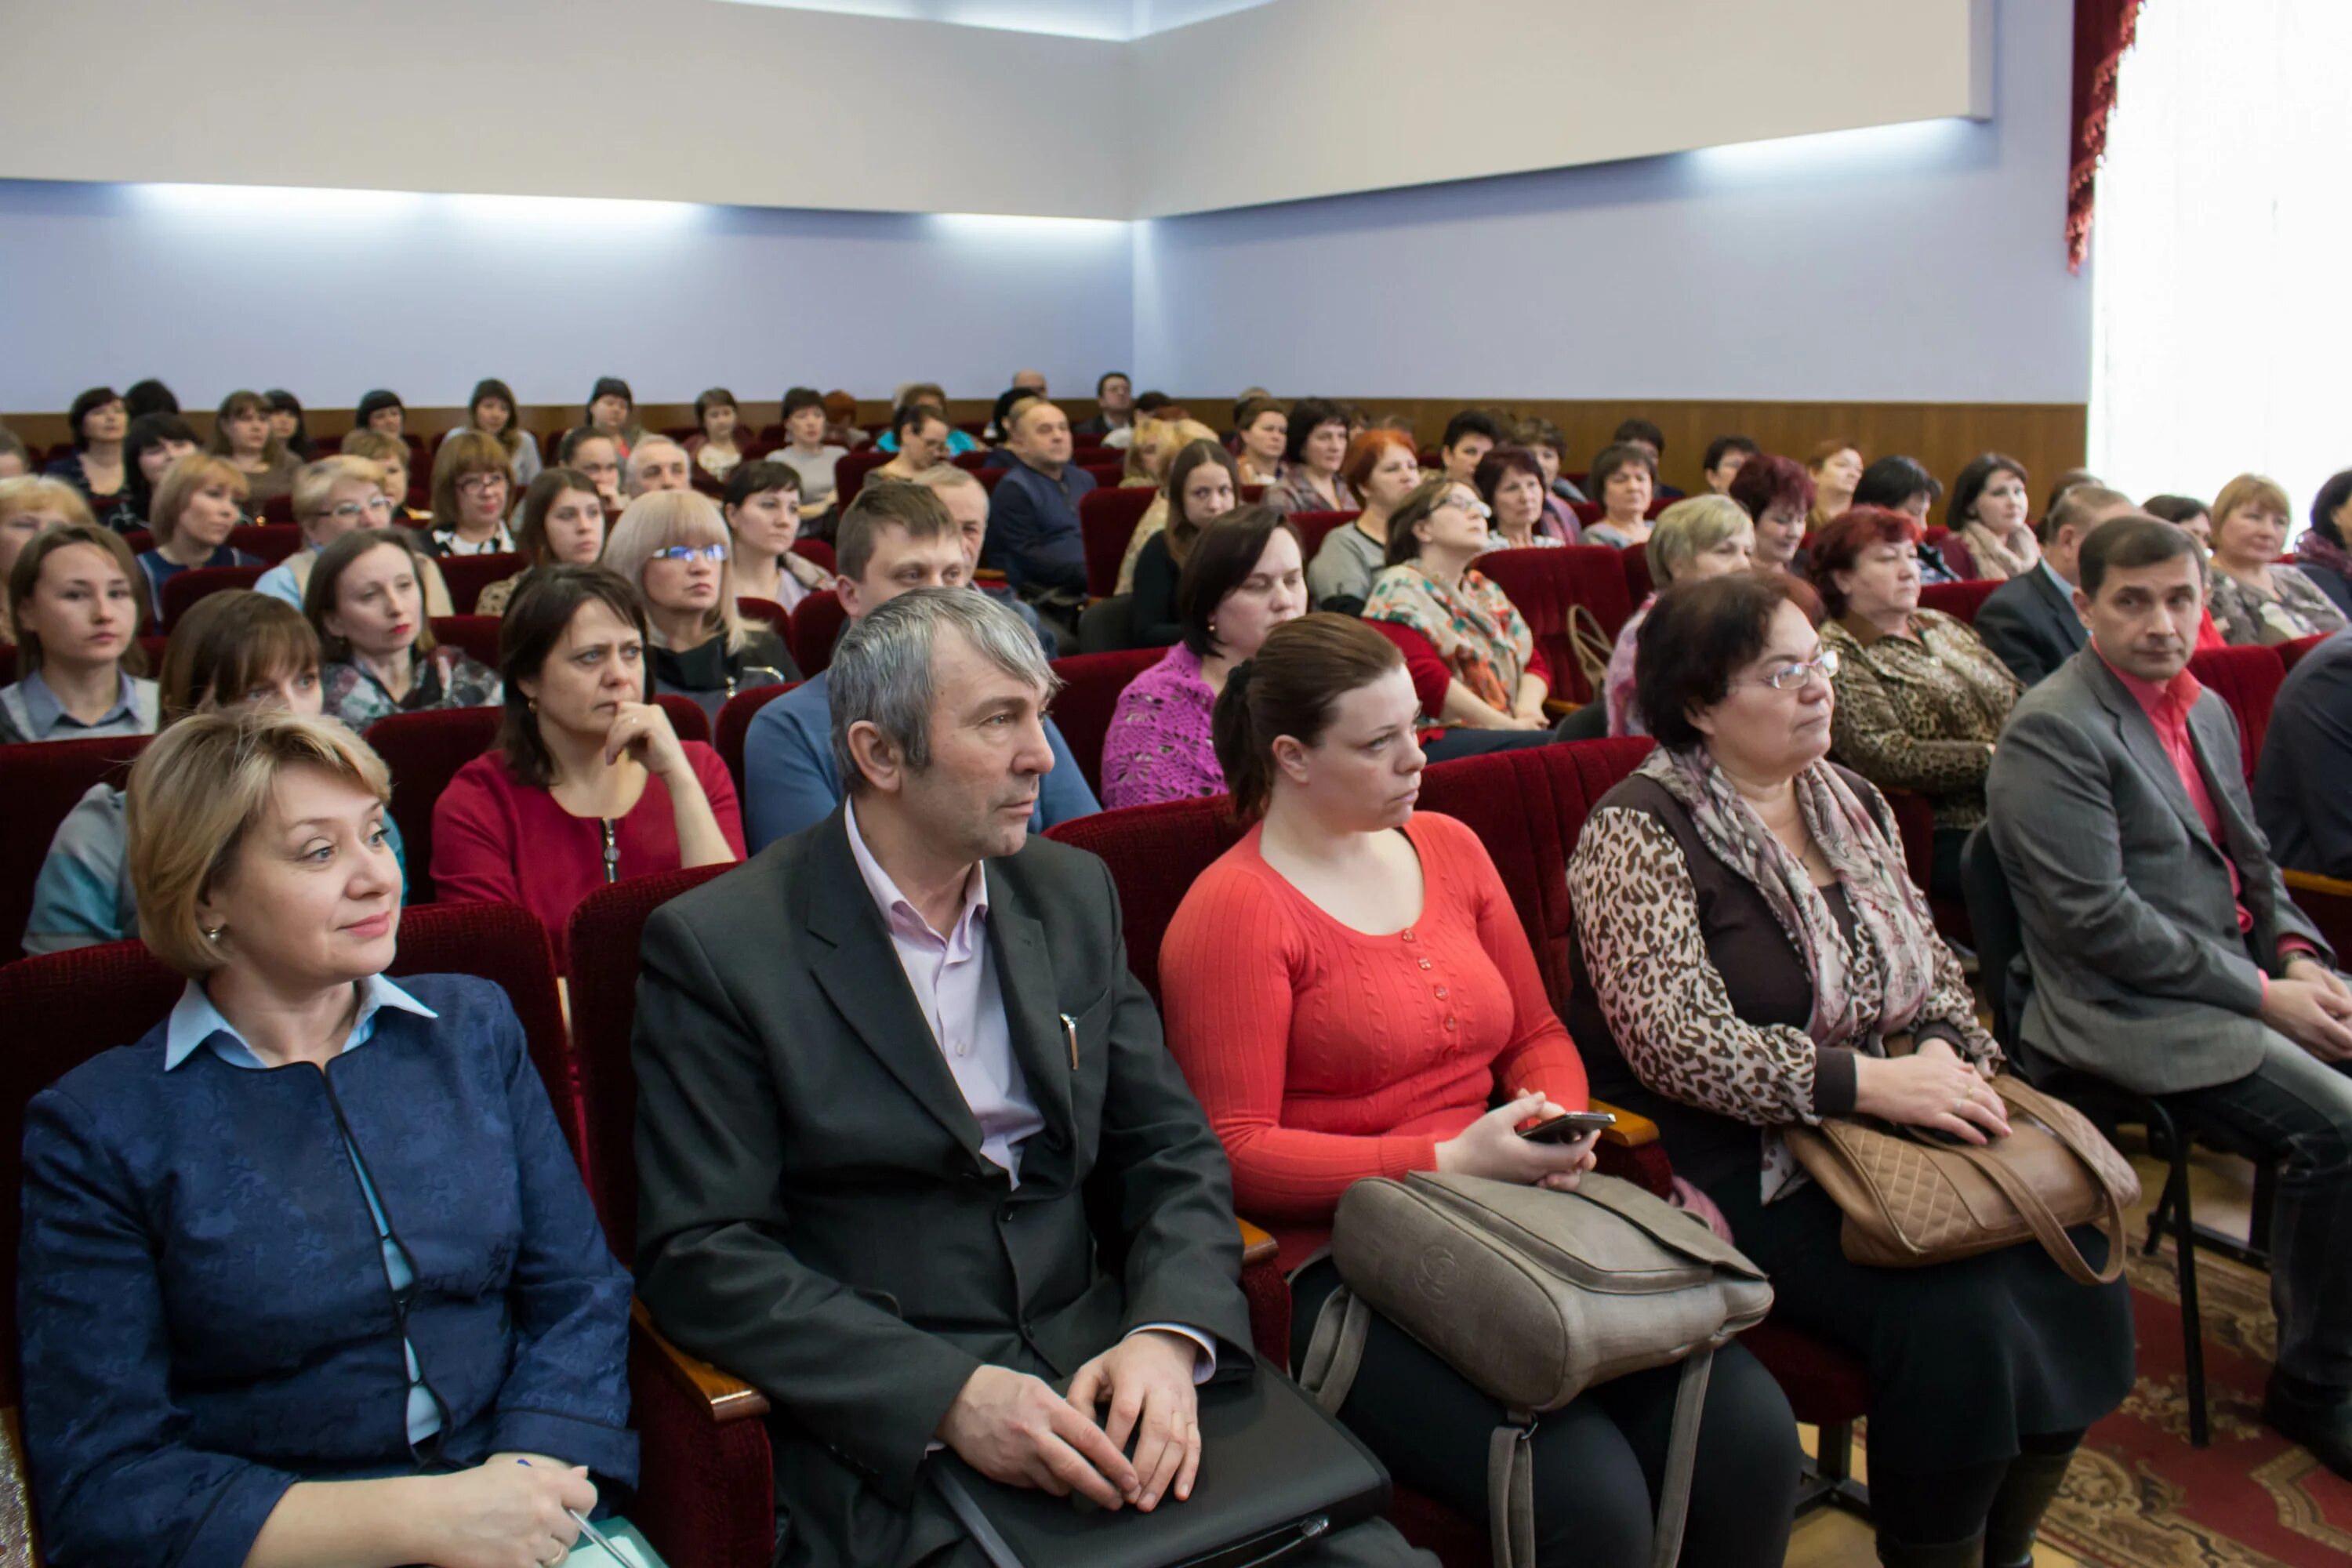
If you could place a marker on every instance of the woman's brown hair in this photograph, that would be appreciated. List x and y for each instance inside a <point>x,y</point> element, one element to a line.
<point>1223,556</point>
<point>273,448</point>
<point>1290,688</point>
<point>25,578</point>
<point>535,621</point>
<point>1419,502</point>
<point>225,645</point>
<point>465,453</point>
<point>1182,529</point>
<point>326,577</point>
<point>530,528</point>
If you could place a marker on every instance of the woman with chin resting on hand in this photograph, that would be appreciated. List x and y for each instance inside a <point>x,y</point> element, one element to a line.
<point>1350,993</point>
<point>589,784</point>
<point>1750,956</point>
<point>308,1270</point>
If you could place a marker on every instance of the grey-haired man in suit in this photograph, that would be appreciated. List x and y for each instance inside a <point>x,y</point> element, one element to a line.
<point>911,1152</point>
<point>2166,955</point>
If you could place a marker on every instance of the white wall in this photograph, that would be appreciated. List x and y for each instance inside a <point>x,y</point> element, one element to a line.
<point>1913,263</point>
<point>331,294</point>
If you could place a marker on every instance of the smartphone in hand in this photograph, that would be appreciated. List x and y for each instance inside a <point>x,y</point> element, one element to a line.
<point>1568,1127</point>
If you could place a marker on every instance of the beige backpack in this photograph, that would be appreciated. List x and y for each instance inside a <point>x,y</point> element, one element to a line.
<point>1535,1296</point>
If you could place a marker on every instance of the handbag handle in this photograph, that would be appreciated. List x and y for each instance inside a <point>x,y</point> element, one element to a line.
<point>2046,1228</point>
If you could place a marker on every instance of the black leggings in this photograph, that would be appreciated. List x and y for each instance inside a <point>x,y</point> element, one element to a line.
<point>1931,1507</point>
<point>1598,1462</point>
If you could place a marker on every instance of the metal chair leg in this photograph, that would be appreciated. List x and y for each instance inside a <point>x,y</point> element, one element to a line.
<point>2184,1240</point>
<point>1830,1482</point>
<point>2258,1224</point>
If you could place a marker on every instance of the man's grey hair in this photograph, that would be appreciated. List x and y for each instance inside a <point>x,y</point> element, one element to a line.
<point>635,471</point>
<point>945,476</point>
<point>881,671</point>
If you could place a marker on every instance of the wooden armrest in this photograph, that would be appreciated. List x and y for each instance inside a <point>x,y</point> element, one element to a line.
<point>1632,1131</point>
<point>728,1396</point>
<point>1257,1246</point>
<point>2313,882</point>
<point>1559,707</point>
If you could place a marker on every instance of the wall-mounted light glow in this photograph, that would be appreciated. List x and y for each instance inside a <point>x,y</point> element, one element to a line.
<point>286,203</point>
<point>303,207</point>
<point>543,213</point>
<point>1111,21</point>
<point>1005,229</point>
<point>1869,146</point>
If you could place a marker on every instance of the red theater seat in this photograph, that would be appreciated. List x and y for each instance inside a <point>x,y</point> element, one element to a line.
<point>989,478</point>
<point>735,724</point>
<point>41,785</point>
<point>1546,585</point>
<point>1091,683</point>
<point>816,550</point>
<point>477,635</point>
<point>769,614</point>
<point>187,587</point>
<point>686,718</point>
<point>423,752</point>
<point>2248,679</point>
<point>1314,527</point>
<point>849,473</point>
<point>1639,584</point>
<point>816,626</point>
<point>1107,519</point>
<point>468,576</point>
<point>277,510</point>
<point>272,541</point>
<point>2291,653</point>
<point>1961,601</point>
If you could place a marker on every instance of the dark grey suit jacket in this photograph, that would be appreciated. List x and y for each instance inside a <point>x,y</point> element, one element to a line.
<point>815,1212</point>
<point>2140,974</point>
<point>2031,626</point>
<point>2303,786</point>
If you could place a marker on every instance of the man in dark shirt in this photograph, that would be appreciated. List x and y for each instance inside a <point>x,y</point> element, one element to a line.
<point>1034,539</point>
<point>2300,798</point>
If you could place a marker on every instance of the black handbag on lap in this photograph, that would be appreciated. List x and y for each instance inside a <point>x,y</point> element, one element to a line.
<point>1276,1475</point>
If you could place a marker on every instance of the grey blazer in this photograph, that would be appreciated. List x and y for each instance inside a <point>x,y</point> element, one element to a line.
<point>814,1214</point>
<point>2141,974</point>
<point>2031,626</point>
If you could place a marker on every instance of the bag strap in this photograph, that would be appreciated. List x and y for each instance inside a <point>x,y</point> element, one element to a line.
<point>1336,1349</point>
<point>1511,1475</point>
<point>2046,1228</point>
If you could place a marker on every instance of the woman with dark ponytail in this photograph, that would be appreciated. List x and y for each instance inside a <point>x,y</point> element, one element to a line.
<point>1350,993</point>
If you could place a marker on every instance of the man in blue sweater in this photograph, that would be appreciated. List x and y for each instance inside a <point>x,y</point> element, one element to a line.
<point>1035,538</point>
<point>893,538</point>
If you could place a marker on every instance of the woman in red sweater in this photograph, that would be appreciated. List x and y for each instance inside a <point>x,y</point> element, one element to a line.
<point>590,784</point>
<point>1350,993</point>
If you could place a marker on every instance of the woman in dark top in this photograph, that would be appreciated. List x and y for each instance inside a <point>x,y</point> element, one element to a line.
<point>155,441</point>
<point>1203,484</point>
<point>96,467</point>
<point>308,1269</point>
<point>1749,955</point>
<point>672,547</point>
<point>286,422</point>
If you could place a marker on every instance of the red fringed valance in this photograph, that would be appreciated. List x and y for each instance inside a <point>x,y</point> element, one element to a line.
<point>2103,31</point>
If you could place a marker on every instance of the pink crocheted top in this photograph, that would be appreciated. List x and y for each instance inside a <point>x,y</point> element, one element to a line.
<point>1158,747</point>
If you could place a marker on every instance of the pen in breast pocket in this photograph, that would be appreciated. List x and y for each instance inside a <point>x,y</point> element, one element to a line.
<point>1070,1033</point>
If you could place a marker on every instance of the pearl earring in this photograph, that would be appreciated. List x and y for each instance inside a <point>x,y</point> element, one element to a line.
<point>213,933</point>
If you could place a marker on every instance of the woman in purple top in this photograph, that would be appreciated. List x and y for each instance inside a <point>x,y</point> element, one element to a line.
<point>1242,576</point>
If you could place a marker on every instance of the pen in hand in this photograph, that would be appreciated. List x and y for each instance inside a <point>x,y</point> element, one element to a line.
<point>596,1536</point>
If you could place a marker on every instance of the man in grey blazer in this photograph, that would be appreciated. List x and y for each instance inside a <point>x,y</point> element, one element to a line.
<point>2166,955</point>
<point>2029,622</point>
<point>911,1152</point>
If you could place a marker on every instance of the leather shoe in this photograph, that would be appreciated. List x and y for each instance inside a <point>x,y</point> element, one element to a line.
<point>2319,1422</point>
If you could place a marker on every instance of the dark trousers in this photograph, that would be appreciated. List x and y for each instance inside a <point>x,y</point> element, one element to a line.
<point>1477,742</point>
<point>2298,1110</point>
<point>1598,1463</point>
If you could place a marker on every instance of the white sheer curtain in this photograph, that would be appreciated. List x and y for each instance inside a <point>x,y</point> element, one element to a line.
<point>2221,337</point>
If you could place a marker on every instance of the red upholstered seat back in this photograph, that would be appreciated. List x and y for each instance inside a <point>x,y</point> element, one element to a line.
<point>2291,653</point>
<point>2248,679</point>
<point>735,724</point>
<point>1153,853</point>
<point>1543,584</point>
<point>477,635</point>
<point>65,1008</point>
<point>685,717</point>
<point>849,472</point>
<point>272,542</point>
<point>817,549</point>
<point>1314,527</point>
<point>816,626</point>
<point>40,785</point>
<point>1107,520</point>
<point>1958,600</point>
<point>468,576</point>
<point>769,614</point>
<point>1639,584</point>
<point>424,752</point>
<point>605,933</point>
<point>1091,683</point>
<point>187,587</point>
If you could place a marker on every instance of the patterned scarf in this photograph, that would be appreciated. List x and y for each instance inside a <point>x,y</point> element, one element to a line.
<point>1473,628</point>
<point>1999,557</point>
<point>1888,912</point>
<point>2313,551</point>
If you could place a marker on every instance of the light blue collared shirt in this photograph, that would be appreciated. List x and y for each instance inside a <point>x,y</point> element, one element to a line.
<point>35,710</point>
<point>196,1024</point>
<point>2066,589</point>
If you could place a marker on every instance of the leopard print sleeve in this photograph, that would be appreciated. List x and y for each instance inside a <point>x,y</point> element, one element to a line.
<point>1637,919</point>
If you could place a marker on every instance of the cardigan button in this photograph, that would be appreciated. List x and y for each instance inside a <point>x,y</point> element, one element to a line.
<point>1449,1023</point>
<point>1424,964</point>
<point>1441,994</point>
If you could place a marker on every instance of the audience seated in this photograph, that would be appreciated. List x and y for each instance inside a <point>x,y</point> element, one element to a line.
<point>241,436</point>
<point>892,539</point>
<point>390,454</point>
<point>1349,990</point>
<point>149,396</point>
<point>1742,890</point>
<point>1705,536</point>
<point>1314,450</point>
<point>27,506</point>
<point>1242,576</point>
<point>597,456</point>
<point>230,1328</point>
<point>1545,440</point>
<point>672,547</point>
<point>1902,484</point>
<point>1987,511</point>
<point>231,650</point>
<point>2301,800</point>
<point>1035,535</point>
<point>155,442</point>
<point>1469,436</point>
<point>1151,461</point>
<point>331,496</point>
<point>1624,476</point>
<point>1646,434</point>
<point>1777,494</point>
<point>923,394</point>
<point>762,509</point>
<point>589,785</point>
<point>95,466</point>
<point>473,487</point>
<point>999,431</point>
<point>1470,656</point>
<point>494,414</point>
<point>16,462</point>
<point>2191,516</point>
<point>656,463</point>
<point>1114,424</point>
<point>612,412</point>
<point>1836,469</point>
<point>1203,484</point>
<point>855,1105</point>
<point>1920,701</point>
<point>1383,469</point>
<point>2029,622</point>
<point>1511,482</point>
<point>2166,955</point>
<point>717,446</point>
<point>73,603</point>
<point>966,501</point>
<point>561,523</point>
<point>1724,456</point>
<point>841,429</point>
<point>286,423</point>
<point>919,436</point>
<point>2255,599</point>
<point>807,451</point>
<point>1262,436</point>
<point>195,509</point>
<point>2321,553</point>
<point>366,602</point>
<point>382,411</point>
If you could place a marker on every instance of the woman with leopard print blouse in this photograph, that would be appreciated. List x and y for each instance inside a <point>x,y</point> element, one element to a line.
<point>1920,701</point>
<point>1747,950</point>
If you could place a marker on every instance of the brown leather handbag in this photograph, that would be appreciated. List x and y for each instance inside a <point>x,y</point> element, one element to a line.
<point>1911,1199</point>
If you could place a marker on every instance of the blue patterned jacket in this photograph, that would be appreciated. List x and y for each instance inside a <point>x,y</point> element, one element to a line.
<point>205,1316</point>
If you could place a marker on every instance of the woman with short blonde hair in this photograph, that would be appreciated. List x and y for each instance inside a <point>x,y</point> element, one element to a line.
<point>2254,597</point>
<point>473,480</point>
<point>198,502</point>
<point>259,1345</point>
<point>674,548</point>
<point>28,505</point>
<point>1704,536</point>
